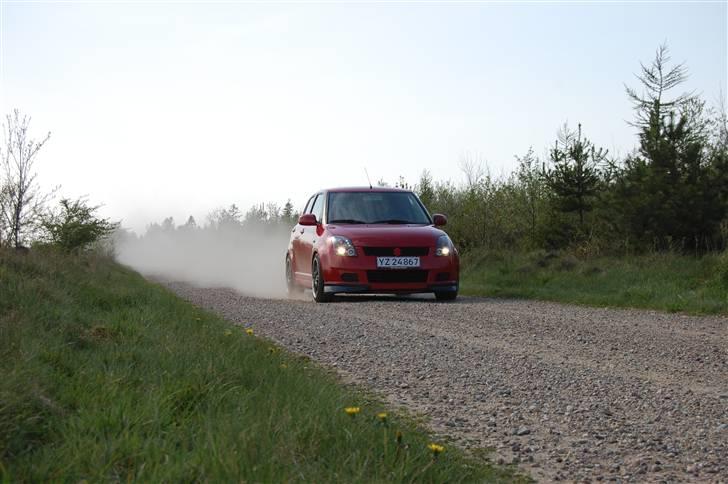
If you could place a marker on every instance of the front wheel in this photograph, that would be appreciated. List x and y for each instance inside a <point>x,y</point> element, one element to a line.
<point>317,281</point>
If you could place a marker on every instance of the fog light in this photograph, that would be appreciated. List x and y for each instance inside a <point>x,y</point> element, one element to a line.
<point>442,276</point>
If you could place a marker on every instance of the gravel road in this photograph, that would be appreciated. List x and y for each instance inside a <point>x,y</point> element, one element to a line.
<point>567,392</point>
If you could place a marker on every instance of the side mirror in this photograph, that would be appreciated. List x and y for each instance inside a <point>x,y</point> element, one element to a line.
<point>439,219</point>
<point>307,219</point>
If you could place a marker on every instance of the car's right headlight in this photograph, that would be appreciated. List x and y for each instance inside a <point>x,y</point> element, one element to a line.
<point>342,246</point>
<point>444,246</point>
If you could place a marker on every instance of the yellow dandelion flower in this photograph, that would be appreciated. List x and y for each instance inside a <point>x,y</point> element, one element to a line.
<point>228,332</point>
<point>351,411</point>
<point>435,448</point>
<point>249,331</point>
<point>382,416</point>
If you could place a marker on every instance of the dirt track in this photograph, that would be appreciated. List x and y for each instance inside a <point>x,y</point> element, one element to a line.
<point>567,392</point>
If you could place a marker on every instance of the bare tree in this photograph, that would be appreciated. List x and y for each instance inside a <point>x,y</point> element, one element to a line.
<point>3,198</point>
<point>21,201</point>
<point>474,167</point>
<point>720,130</point>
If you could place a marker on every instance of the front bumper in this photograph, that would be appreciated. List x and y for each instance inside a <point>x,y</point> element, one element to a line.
<point>368,289</point>
<point>360,275</point>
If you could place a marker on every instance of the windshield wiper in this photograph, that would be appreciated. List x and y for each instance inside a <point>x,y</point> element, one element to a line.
<point>393,221</point>
<point>346,221</point>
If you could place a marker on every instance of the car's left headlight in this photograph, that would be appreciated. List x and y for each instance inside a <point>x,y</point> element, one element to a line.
<point>444,246</point>
<point>342,246</point>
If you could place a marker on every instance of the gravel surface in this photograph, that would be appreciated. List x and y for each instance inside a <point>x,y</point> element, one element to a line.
<point>567,392</point>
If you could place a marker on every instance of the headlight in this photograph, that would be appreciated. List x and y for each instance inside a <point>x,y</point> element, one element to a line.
<point>444,246</point>
<point>342,246</point>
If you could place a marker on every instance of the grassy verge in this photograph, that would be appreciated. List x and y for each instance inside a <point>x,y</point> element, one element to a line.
<point>104,376</point>
<point>667,282</point>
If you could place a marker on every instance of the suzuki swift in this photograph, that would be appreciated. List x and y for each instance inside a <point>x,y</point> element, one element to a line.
<point>370,240</point>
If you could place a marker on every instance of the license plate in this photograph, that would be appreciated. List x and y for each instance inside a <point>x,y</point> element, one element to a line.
<point>398,262</point>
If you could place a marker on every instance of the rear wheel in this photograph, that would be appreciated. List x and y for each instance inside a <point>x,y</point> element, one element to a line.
<point>291,286</point>
<point>317,281</point>
<point>446,295</point>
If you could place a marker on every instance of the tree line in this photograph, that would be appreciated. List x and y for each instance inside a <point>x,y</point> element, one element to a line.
<point>231,223</point>
<point>670,193</point>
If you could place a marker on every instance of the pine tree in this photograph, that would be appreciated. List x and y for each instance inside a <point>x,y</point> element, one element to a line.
<point>426,190</point>
<point>669,192</point>
<point>287,216</point>
<point>531,187</point>
<point>190,225</point>
<point>574,178</point>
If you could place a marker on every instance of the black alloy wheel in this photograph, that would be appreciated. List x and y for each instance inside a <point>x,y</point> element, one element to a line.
<point>317,282</point>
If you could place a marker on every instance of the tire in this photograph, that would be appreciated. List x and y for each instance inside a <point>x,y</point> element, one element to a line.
<point>291,287</point>
<point>446,295</point>
<point>317,282</point>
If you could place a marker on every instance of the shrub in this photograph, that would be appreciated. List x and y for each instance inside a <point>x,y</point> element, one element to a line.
<point>75,226</point>
<point>722,268</point>
<point>568,263</point>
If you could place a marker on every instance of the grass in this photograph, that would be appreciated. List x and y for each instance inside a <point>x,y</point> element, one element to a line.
<point>105,376</point>
<point>666,282</point>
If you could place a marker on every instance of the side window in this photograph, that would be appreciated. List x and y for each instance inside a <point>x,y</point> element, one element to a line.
<point>318,208</point>
<point>307,208</point>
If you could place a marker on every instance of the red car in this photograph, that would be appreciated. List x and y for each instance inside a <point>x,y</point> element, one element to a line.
<point>371,240</point>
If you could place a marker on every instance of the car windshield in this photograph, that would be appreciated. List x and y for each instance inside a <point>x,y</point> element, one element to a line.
<point>374,207</point>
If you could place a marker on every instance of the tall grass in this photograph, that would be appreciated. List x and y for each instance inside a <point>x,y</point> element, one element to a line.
<point>104,376</point>
<point>662,281</point>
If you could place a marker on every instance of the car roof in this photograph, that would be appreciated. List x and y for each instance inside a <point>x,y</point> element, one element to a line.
<point>365,189</point>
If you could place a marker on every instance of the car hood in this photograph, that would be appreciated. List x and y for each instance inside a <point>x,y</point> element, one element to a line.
<point>385,235</point>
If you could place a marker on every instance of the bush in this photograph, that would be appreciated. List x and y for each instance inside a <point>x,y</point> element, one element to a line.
<point>568,263</point>
<point>722,268</point>
<point>76,227</point>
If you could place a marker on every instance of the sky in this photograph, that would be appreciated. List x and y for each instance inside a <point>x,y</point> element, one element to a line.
<point>163,109</point>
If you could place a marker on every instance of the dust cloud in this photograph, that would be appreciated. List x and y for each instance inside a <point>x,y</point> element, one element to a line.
<point>249,260</point>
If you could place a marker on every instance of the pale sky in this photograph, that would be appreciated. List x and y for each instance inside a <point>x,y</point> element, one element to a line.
<point>176,108</point>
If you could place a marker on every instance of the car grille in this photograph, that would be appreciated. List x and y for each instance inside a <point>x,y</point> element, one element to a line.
<point>403,251</point>
<point>405,275</point>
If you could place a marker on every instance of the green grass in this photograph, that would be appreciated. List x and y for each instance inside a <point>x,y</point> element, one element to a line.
<point>104,376</point>
<point>667,282</point>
